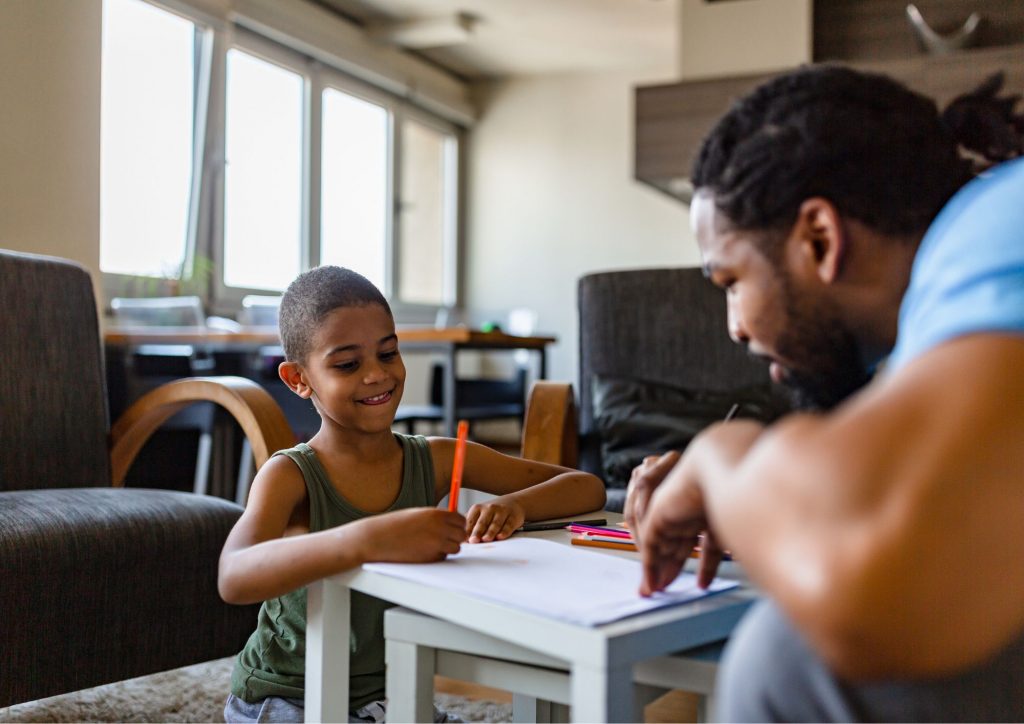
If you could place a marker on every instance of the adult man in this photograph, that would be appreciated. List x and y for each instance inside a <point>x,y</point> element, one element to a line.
<point>886,533</point>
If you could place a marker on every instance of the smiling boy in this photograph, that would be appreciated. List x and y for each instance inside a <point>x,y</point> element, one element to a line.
<point>357,492</point>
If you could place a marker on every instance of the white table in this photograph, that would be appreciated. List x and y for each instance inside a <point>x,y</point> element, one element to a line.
<point>600,660</point>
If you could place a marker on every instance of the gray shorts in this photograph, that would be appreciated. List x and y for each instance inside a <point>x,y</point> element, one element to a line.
<point>281,709</point>
<point>768,673</point>
<point>271,709</point>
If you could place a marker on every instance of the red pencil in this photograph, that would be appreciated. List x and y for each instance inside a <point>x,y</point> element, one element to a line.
<point>460,459</point>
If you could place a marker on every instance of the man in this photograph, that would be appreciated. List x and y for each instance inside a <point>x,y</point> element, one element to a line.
<point>887,534</point>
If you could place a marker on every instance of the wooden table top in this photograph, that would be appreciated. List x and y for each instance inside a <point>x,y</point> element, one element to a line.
<point>460,336</point>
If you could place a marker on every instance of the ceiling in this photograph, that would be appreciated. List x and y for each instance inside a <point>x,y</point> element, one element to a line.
<point>533,37</point>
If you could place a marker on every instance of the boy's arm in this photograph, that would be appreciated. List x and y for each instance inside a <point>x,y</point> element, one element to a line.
<point>270,552</point>
<point>527,490</point>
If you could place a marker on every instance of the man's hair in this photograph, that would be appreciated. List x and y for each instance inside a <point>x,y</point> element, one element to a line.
<point>878,151</point>
<point>315,294</point>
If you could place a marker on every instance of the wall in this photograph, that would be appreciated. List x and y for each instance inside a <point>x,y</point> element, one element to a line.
<point>551,196</point>
<point>50,128</point>
<point>743,37</point>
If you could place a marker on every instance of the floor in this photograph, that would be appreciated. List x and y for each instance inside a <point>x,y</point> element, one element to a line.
<point>675,706</point>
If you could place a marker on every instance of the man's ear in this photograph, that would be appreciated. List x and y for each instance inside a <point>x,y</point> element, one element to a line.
<point>291,374</point>
<point>821,239</point>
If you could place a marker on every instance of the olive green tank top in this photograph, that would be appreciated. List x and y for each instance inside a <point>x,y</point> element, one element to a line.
<point>273,661</point>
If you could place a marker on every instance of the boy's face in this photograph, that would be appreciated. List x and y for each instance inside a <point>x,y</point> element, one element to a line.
<point>354,372</point>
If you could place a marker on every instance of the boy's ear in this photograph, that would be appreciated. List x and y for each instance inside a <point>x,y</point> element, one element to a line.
<point>291,374</point>
<point>821,238</point>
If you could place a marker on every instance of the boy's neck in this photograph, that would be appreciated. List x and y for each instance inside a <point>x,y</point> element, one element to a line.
<point>360,447</point>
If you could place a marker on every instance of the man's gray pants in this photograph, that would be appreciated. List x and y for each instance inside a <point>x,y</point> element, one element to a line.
<point>768,673</point>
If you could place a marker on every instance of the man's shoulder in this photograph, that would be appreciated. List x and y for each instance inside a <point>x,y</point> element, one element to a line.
<point>983,212</point>
<point>968,275</point>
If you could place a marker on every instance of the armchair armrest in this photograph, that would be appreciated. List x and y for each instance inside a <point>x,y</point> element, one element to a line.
<point>252,407</point>
<point>549,427</point>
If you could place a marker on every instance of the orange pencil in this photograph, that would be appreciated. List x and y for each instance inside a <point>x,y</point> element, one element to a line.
<point>603,544</point>
<point>460,459</point>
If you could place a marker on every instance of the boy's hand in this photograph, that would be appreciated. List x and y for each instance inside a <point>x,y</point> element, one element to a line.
<point>414,535</point>
<point>494,520</point>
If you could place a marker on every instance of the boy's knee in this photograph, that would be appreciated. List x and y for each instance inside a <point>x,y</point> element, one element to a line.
<point>768,673</point>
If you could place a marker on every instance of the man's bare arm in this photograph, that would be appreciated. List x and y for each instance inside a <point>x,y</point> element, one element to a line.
<point>892,530</point>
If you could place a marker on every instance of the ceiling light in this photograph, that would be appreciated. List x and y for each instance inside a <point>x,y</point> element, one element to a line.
<point>426,32</point>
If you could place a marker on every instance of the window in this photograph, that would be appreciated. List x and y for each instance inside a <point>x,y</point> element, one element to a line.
<point>263,174</point>
<point>354,187</point>
<point>426,217</point>
<point>224,148</point>
<point>146,139</point>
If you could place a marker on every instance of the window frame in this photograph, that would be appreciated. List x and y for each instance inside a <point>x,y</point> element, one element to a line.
<point>452,198</point>
<point>227,299</point>
<point>205,237</point>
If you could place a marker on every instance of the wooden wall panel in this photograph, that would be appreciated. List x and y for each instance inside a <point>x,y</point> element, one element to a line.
<point>671,120</point>
<point>852,30</point>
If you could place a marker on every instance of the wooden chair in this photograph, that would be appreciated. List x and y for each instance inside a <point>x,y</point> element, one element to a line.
<point>101,582</point>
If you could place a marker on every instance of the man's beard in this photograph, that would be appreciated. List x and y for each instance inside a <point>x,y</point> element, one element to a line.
<point>831,367</point>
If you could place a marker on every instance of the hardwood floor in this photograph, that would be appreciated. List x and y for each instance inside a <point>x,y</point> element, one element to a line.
<point>675,706</point>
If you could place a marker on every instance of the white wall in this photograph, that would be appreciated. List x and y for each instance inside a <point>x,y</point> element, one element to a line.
<point>551,196</point>
<point>743,37</point>
<point>50,128</point>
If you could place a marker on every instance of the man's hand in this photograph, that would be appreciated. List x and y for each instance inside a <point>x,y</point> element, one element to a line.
<point>644,480</point>
<point>671,529</point>
<point>676,520</point>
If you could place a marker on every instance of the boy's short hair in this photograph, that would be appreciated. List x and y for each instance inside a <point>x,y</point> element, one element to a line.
<point>315,294</point>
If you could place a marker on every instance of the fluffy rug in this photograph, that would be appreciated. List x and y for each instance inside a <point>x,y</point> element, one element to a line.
<point>192,694</point>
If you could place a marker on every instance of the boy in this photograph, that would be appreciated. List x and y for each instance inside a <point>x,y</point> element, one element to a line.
<point>357,492</point>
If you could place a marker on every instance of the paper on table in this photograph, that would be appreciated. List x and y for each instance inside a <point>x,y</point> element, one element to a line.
<point>551,579</point>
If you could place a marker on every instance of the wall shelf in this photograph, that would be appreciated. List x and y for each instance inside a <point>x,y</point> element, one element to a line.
<point>671,120</point>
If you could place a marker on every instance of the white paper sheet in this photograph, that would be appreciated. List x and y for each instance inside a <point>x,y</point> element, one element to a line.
<point>551,579</point>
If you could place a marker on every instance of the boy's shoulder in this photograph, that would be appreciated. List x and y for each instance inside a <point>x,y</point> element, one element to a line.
<point>278,484</point>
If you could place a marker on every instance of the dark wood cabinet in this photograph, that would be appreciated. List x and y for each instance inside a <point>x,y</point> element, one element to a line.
<point>671,120</point>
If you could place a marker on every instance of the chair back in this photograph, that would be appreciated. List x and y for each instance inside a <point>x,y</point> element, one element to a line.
<point>664,326</point>
<point>259,310</point>
<point>158,311</point>
<point>53,424</point>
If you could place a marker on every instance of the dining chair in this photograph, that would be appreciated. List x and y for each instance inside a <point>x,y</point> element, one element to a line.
<point>150,365</point>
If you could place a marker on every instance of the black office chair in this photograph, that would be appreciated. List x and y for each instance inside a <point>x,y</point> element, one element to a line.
<point>475,399</point>
<point>151,365</point>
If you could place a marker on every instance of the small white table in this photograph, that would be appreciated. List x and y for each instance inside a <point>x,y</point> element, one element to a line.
<point>600,660</point>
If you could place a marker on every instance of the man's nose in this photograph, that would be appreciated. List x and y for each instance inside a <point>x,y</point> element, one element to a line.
<point>737,330</point>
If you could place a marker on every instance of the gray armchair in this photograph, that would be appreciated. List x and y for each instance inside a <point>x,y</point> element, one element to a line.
<point>99,582</point>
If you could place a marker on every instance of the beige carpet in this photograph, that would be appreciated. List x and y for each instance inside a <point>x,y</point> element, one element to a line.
<point>192,694</point>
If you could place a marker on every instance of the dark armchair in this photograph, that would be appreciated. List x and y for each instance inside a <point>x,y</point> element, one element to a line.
<point>656,366</point>
<point>100,582</point>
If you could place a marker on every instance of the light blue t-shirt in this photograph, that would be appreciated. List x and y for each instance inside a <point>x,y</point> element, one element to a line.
<point>968,275</point>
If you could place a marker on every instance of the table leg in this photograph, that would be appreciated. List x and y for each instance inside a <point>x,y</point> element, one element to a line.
<point>603,694</point>
<point>327,651</point>
<point>448,392</point>
<point>410,682</point>
<point>526,708</point>
<point>705,708</point>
